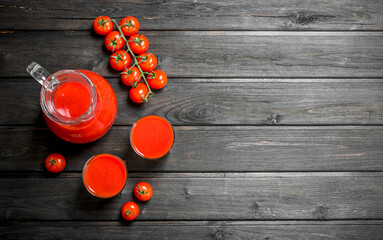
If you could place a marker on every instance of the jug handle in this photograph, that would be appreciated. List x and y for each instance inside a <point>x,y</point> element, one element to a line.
<point>38,72</point>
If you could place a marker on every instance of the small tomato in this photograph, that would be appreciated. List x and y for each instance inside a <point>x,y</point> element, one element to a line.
<point>131,76</point>
<point>129,25</point>
<point>139,94</point>
<point>138,43</point>
<point>143,191</point>
<point>55,162</point>
<point>119,60</point>
<point>114,41</point>
<point>157,79</point>
<point>103,25</point>
<point>129,211</point>
<point>147,61</point>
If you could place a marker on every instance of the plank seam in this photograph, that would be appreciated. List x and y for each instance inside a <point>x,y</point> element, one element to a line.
<point>224,125</point>
<point>266,222</point>
<point>200,174</point>
<point>197,31</point>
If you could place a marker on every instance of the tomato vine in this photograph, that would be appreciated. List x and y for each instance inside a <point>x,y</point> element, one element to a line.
<point>144,63</point>
<point>134,58</point>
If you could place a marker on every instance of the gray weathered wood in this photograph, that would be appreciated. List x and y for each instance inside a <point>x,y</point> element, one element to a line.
<point>313,68</point>
<point>220,148</point>
<point>209,196</point>
<point>206,54</point>
<point>225,102</point>
<point>197,15</point>
<point>190,230</point>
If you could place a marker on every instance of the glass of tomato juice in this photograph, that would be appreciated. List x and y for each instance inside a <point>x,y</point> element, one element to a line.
<point>104,175</point>
<point>152,137</point>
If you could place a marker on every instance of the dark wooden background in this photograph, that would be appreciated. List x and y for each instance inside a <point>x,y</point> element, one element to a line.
<point>277,108</point>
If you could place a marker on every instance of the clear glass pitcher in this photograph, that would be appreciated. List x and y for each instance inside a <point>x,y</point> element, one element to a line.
<point>79,106</point>
<point>51,82</point>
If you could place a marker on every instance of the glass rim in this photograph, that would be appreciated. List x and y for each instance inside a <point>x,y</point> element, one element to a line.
<point>86,164</point>
<point>141,155</point>
<point>88,114</point>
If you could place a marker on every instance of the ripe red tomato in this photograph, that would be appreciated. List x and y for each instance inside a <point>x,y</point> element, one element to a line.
<point>55,162</point>
<point>139,94</point>
<point>129,25</point>
<point>129,211</point>
<point>131,76</point>
<point>143,191</point>
<point>157,79</point>
<point>147,62</point>
<point>119,60</point>
<point>103,25</point>
<point>114,41</point>
<point>138,43</point>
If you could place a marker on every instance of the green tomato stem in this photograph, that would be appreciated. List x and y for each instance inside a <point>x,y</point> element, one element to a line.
<point>52,162</point>
<point>127,212</point>
<point>134,57</point>
<point>141,191</point>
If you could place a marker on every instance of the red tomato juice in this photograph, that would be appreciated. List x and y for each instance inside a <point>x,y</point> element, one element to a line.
<point>72,100</point>
<point>104,175</point>
<point>152,137</point>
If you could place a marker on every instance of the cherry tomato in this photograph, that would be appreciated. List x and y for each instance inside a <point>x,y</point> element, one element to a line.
<point>139,94</point>
<point>129,211</point>
<point>129,25</point>
<point>119,60</point>
<point>138,43</point>
<point>147,62</point>
<point>55,162</point>
<point>157,79</point>
<point>114,41</point>
<point>103,25</point>
<point>143,191</point>
<point>131,76</point>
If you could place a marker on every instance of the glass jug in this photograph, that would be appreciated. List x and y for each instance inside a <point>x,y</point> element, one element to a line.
<point>79,106</point>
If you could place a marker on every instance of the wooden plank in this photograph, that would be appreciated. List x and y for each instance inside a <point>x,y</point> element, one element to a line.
<point>294,230</point>
<point>210,196</point>
<point>201,149</point>
<point>231,102</point>
<point>197,15</point>
<point>207,54</point>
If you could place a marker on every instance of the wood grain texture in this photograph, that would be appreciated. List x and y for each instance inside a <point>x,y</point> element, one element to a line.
<point>196,15</point>
<point>190,230</point>
<point>277,108</point>
<point>201,149</point>
<point>225,102</point>
<point>210,196</point>
<point>206,54</point>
